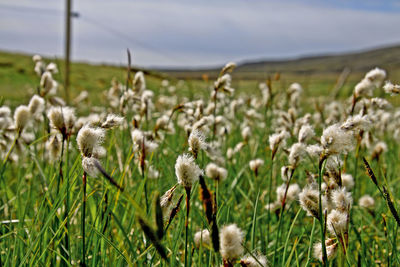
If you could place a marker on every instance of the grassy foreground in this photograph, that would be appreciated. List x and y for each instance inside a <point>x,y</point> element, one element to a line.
<point>55,210</point>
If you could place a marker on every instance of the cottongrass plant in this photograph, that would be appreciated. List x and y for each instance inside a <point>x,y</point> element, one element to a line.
<point>319,209</point>
<point>89,141</point>
<point>187,173</point>
<point>231,244</point>
<point>62,121</point>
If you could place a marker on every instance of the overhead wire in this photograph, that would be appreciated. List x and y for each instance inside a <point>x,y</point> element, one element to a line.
<point>95,23</point>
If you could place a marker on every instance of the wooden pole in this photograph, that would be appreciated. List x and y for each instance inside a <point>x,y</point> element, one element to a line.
<point>67,47</point>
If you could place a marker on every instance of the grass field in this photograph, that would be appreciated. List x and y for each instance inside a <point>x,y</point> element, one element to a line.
<point>288,171</point>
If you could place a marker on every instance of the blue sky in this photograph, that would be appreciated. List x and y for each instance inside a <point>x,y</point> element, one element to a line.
<point>198,33</point>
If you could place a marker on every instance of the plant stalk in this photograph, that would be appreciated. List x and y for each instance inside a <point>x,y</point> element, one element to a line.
<point>187,189</point>
<point>269,203</point>
<point>83,218</point>
<point>321,216</point>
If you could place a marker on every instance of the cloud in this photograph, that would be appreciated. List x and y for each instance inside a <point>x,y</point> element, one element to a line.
<point>181,33</point>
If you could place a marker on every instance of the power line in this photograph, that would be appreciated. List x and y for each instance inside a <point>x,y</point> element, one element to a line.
<point>29,9</point>
<point>127,38</point>
<point>97,24</point>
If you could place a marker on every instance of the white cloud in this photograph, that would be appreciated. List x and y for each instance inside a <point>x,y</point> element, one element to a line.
<point>184,33</point>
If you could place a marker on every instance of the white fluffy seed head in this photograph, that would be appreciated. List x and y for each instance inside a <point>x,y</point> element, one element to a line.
<point>297,152</point>
<point>280,193</point>
<point>228,67</point>
<point>147,95</point>
<point>294,92</point>
<point>367,202</point>
<point>381,103</point>
<point>246,133</point>
<point>56,118</point>
<point>223,82</point>
<point>306,133</point>
<point>314,151</point>
<point>166,202</point>
<point>333,164</point>
<point>376,76</point>
<point>357,122</point>
<point>139,82</point>
<point>293,192</point>
<point>230,152</point>
<point>364,88</point>
<point>83,95</point>
<point>89,166</point>
<point>48,83</point>
<point>112,121</point>
<point>201,123</point>
<point>21,117</point>
<point>337,222</point>
<point>164,83</point>
<point>137,136</point>
<point>167,197</point>
<point>392,89</point>
<point>164,123</point>
<point>52,67</point>
<point>197,141</point>
<point>294,88</point>
<point>379,148</point>
<point>238,147</point>
<point>5,112</point>
<point>342,199</point>
<point>216,172</point>
<point>53,146</point>
<point>89,139</point>
<point>62,118</point>
<point>36,105</point>
<point>99,152</point>
<point>250,261</point>
<point>291,195</point>
<point>202,238</point>
<point>347,181</point>
<point>278,140</point>
<point>255,164</point>
<point>39,68</point>
<point>331,249</point>
<point>187,171</point>
<point>231,238</point>
<point>36,58</point>
<point>336,140</point>
<point>309,200</point>
<point>273,206</point>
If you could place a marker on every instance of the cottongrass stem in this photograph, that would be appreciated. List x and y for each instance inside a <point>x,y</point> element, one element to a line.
<point>283,204</point>
<point>83,260</point>
<point>187,173</point>
<point>321,220</point>
<point>187,189</point>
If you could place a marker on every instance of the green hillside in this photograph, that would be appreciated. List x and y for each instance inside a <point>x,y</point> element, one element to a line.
<point>317,74</point>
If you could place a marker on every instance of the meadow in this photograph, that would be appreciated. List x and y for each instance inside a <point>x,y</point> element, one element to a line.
<point>140,168</point>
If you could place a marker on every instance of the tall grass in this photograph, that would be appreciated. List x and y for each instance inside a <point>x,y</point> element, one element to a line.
<point>53,213</point>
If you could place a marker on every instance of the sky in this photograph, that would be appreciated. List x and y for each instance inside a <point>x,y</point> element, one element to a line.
<point>189,33</point>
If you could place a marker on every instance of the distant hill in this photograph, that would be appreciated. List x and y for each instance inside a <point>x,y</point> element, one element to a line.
<point>358,62</point>
<point>316,73</point>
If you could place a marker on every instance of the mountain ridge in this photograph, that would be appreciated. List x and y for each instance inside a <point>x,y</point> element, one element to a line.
<point>387,57</point>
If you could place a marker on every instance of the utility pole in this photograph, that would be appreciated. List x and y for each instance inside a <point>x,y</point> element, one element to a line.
<point>67,47</point>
